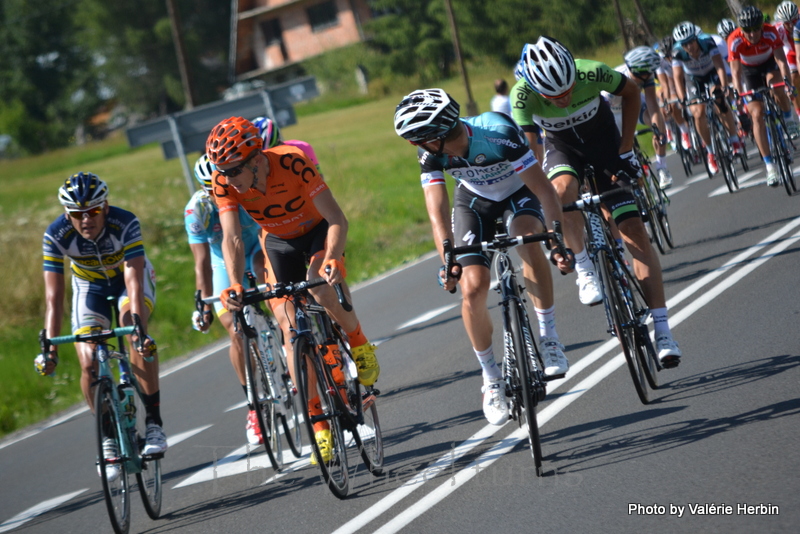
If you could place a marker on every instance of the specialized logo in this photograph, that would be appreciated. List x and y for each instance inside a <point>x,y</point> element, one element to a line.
<point>469,237</point>
<point>480,158</point>
<point>521,202</point>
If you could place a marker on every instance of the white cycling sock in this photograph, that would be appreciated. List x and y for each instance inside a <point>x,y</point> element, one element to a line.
<point>661,322</point>
<point>489,369</point>
<point>547,321</point>
<point>661,162</point>
<point>583,263</point>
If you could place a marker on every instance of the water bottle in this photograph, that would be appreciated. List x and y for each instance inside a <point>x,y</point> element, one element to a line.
<point>128,405</point>
<point>333,358</point>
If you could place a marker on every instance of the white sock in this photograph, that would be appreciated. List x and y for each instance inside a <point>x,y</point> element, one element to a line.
<point>661,322</point>
<point>661,162</point>
<point>547,321</point>
<point>489,369</point>
<point>583,263</point>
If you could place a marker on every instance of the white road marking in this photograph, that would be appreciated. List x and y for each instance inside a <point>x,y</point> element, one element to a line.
<point>428,316</point>
<point>236,406</point>
<point>183,436</point>
<point>560,403</point>
<point>33,511</point>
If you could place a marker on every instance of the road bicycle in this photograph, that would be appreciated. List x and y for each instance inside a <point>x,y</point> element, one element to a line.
<point>523,368</point>
<point>623,299</point>
<point>720,142</point>
<point>119,415</point>
<point>697,152</point>
<point>654,201</point>
<point>324,365</point>
<point>780,144</point>
<point>271,394</point>
<point>677,140</point>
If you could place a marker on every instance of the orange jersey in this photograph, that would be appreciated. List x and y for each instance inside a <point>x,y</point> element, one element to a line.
<point>287,210</point>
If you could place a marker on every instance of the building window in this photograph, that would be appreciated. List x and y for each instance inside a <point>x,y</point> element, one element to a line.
<point>273,35</point>
<point>322,16</point>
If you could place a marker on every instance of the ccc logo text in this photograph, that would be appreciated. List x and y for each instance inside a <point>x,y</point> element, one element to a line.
<point>298,166</point>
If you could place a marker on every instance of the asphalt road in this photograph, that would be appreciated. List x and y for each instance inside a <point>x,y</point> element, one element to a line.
<point>718,438</point>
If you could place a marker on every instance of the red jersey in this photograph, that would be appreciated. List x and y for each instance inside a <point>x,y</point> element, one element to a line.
<point>287,209</point>
<point>753,55</point>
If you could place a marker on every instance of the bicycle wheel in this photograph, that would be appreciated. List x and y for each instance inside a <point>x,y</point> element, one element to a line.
<point>113,472</point>
<point>785,164</point>
<point>290,401</point>
<point>524,381</point>
<point>260,400</point>
<point>149,479</point>
<point>623,323</point>
<point>335,472</point>
<point>648,358</point>
<point>648,196</point>
<point>725,159</point>
<point>661,201</point>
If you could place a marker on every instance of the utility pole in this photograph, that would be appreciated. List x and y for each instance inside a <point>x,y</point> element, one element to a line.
<point>472,107</point>
<point>183,67</point>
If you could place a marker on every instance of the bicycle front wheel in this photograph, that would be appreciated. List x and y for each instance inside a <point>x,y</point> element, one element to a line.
<point>525,383</point>
<point>149,478</point>
<point>651,208</point>
<point>260,399</point>
<point>312,381</point>
<point>291,411</point>
<point>113,472</point>
<point>623,323</point>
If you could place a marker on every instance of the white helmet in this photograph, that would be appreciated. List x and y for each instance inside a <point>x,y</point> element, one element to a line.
<point>725,28</point>
<point>642,60</point>
<point>425,115</point>
<point>684,32</point>
<point>548,67</point>
<point>786,12</point>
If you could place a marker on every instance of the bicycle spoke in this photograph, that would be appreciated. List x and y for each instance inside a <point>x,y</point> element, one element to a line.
<point>113,471</point>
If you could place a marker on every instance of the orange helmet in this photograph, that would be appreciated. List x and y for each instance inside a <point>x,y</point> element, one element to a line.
<point>232,140</point>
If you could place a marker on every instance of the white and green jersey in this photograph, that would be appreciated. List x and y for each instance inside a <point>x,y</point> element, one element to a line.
<point>587,117</point>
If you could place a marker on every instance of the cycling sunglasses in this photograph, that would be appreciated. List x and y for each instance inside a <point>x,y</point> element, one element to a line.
<point>752,29</point>
<point>234,171</point>
<point>91,212</point>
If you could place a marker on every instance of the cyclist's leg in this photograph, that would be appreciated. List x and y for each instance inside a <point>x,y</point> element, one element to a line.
<point>90,309</point>
<point>220,282</point>
<point>146,372</point>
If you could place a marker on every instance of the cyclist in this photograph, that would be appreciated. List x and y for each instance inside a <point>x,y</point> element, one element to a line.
<point>201,219</point>
<point>497,176</point>
<point>563,95</point>
<point>643,65</point>
<point>725,27</point>
<point>104,246</point>
<point>697,67</point>
<point>538,146</point>
<point>786,19</point>
<point>301,225</point>
<point>669,94</point>
<point>756,53</point>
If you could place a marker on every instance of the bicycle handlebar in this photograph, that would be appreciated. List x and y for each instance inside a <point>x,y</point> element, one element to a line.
<point>264,292</point>
<point>88,338</point>
<point>588,200</point>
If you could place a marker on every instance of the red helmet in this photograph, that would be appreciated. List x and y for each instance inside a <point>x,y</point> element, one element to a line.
<point>232,140</point>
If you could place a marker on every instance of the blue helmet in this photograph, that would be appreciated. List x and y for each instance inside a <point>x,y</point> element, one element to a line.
<point>82,191</point>
<point>519,70</point>
<point>269,131</point>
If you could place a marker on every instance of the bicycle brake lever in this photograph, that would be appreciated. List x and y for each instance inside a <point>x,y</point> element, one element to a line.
<point>447,246</point>
<point>346,306</point>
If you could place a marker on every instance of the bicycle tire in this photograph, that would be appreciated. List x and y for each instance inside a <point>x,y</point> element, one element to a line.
<point>652,214</point>
<point>335,472</point>
<point>662,201</point>
<point>682,152</point>
<point>525,383</point>
<point>623,325</point>
<point>648,358</point>
<point>743,157</point>
<point>786,168</point>
<point>292,410</point>
<point>259,399</point>
<point>725,159</point>
<point>116,492</point>
<point>149,478</point>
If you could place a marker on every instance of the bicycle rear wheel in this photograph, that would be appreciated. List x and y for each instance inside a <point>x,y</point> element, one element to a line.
<point>652,225</point>
<point>260,399</point>
<point>661,203</point>
<point>149,479</point>
<point>290,402</point>
<point>525,384</point>
<point>784,159</point>
<point>725,157</point>
<point>335,471</point>
<point>623,324</point>
<point>113,472</point>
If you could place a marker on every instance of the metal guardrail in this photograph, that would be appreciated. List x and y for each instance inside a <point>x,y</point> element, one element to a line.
<point>186,131</point>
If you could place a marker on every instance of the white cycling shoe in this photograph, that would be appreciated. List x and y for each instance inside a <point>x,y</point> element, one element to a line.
<point>495,403</point>
<point>555,362</point>
<point>669,353</point>
<point>589,289</point>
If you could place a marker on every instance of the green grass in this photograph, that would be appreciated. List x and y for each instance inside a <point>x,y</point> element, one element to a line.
<point>373,174</point>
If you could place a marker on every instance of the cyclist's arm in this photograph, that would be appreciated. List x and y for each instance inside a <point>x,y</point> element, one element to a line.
<point>719,64</point>
<point>783,65</point>
<point>437,202</point>
<point>134,278</point>
<point>631,105</point>
<point>232,244</point>
<point>680,80</point>
<point>337,230</point>
<point>54,288</point>
<point>651,99</point>
<point>736,68</point>
<point>202,269</point>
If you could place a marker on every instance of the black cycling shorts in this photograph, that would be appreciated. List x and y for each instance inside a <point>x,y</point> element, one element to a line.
<point>287,260</point>
<point>474,218</point>
<point>754,76</point>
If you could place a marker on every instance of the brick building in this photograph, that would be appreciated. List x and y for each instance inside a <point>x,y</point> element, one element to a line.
<point>269,37</point>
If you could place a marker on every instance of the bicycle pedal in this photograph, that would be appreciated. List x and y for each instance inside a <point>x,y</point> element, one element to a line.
<point>548,378</point>
<point>670,362</point>
<point>151,457</point>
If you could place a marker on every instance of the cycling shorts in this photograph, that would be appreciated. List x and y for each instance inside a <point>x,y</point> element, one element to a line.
<point>560,158</point>
<point>287,260</point>
<point>474,219</point>
<point>754,77</point>
<point>696,85</point>
<point>91,307</point>
<point>220,277</point>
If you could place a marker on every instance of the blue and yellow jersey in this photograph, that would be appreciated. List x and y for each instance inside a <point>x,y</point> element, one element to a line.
<point>120,240</point>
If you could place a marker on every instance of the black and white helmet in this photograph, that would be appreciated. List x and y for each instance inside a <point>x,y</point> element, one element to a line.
<point>684,32</point>
<point>786,12</point>
<point>750,17</point>
<point>548,67</point>
<point>203,171</point>
<point>425,115</point>
<point>725,28</point>
<point>82,191</point>
<point>642,60</point>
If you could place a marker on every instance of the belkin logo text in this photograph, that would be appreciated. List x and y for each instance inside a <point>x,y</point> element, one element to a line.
<point>597,75</point>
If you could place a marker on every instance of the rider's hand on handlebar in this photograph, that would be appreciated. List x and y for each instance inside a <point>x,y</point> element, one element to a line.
<point>333,271</point>
<point>45,364</point>
<point>232,303</point>
<point>630,168</point>
<point>202,321</point>
<point>449,282</point>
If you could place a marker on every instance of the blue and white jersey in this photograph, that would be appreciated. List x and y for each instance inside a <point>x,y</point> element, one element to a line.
<point>700,66</point>
<point>201,219</point>
<point>95,261</point>
<point>497,152</point>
